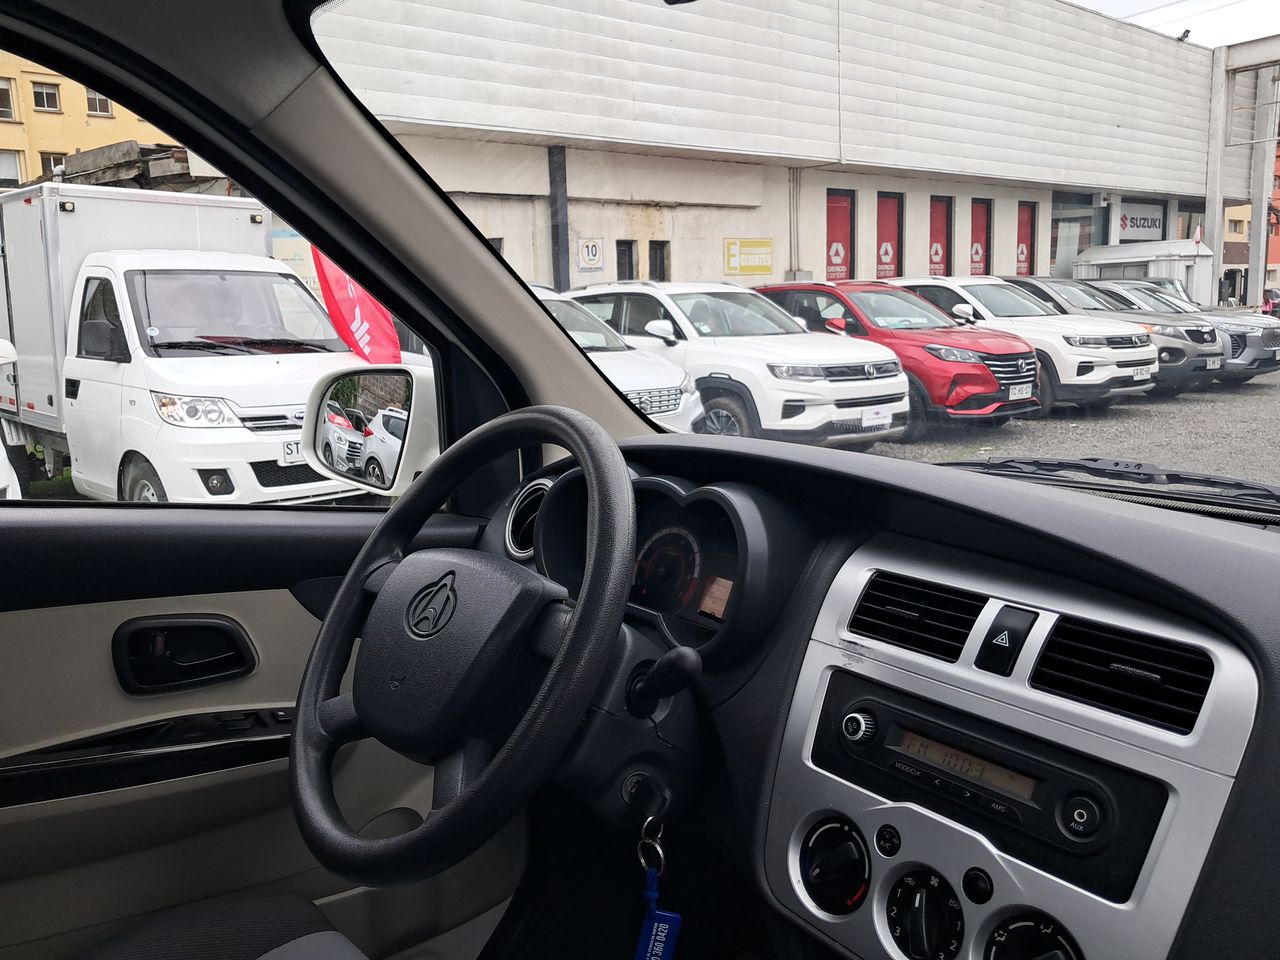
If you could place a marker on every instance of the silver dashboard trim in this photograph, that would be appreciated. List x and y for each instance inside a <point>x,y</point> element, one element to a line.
<point>1198,769</point>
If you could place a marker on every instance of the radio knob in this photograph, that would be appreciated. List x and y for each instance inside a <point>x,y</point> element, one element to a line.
<point>858,726</point>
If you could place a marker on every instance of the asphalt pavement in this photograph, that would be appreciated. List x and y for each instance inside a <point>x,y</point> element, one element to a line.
<point>1227,429</point>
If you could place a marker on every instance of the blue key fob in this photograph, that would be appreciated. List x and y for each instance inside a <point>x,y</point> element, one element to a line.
<point>660,929</point>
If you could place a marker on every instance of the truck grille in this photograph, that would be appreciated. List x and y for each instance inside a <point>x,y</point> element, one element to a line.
<point>863,371</point>
<point>272,474</point>
<point>869,401</point>
<point>1201,334</point>
<point>1271,339</point>
<point>1128,342</point>
<point>1238,343</point>
<point>1010,369</point>
<point>271,422</point>
<point>663,400</point>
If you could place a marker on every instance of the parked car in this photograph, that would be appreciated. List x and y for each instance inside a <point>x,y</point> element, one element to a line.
<point>1251,342</point>
<point>383,440</point>
<point>1084,361</point>
<point>342,443</point>
<point>1188,347</point>
<point>659,389</point>
<point>758,370</point>
<point>957,371</point>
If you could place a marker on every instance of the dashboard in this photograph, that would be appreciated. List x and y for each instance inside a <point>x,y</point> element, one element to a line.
<point>961,718</point>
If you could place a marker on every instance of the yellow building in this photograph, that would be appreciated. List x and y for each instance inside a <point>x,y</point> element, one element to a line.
<point>44,116</point>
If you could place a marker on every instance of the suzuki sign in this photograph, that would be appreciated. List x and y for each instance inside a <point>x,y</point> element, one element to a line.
<point>1141,221</point>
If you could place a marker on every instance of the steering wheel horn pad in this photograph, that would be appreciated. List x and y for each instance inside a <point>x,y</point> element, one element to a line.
<point>442,624</point>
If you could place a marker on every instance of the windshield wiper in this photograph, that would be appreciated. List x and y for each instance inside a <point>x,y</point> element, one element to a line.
<point>1130,471</point>
<point>208,345</point>
<point>281,342</point>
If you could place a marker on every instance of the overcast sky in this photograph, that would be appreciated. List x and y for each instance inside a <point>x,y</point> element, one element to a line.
<point>1211,22</point>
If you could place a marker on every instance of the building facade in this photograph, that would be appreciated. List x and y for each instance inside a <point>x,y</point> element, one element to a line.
<point>44,117</point>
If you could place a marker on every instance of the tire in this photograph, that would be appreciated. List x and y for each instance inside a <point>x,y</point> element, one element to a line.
<point>373,473</point>
<point>23,467</point>
<point>327,454</point>
<point>142,484</point>
<point>726,416</point>
<point>917,415</point>
<point>1048,386</point>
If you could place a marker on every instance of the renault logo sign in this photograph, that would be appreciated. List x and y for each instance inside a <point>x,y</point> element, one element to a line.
<point>432,608</point>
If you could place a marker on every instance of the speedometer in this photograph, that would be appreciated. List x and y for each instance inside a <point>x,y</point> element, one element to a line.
<point>668,570</point>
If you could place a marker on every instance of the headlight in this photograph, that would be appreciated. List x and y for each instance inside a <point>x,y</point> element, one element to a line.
<point>954,354</point>
<point>1236,328</point>
<point>339,439</point>
<point>1164,330</point>
<point>791,371</point>
<point>1093,343</point>
<point>194,411</point>
<point>687,385</point>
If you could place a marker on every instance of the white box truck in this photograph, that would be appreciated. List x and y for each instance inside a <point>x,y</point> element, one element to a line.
<point>160,351</point>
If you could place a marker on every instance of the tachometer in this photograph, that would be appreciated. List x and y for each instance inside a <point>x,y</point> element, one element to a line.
<point>668,570</point>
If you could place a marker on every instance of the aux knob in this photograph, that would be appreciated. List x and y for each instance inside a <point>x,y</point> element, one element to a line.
<point>858,726</point>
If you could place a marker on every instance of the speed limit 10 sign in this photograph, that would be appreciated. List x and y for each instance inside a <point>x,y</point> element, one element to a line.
<point>590,255</point>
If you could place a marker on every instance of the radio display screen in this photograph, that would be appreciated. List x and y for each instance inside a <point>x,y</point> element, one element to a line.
<point>964,765</point>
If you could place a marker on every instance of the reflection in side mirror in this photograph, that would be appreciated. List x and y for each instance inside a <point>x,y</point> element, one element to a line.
<point>662,329</point>
<point>8,353</point>
<point>964,312</point>
<point>362,426</point>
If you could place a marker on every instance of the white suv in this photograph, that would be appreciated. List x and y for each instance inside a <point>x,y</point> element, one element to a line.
<point>1083,360</point>
<point>759,371</point>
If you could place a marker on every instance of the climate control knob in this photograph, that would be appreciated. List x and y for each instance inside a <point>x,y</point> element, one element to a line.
<point>925,917</point>
<point>1031,936</point>
<point>834,866</point>
<point>858,726</point>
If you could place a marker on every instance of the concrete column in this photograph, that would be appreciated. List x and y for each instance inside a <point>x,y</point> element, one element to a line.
<point>1260,179</point>
<point>1171,211</point>
<point>1221,97</point>
<point>1113,220</point>
<point>559,217</point>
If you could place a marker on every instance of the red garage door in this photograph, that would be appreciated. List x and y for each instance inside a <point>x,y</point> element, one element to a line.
<point>980,238</point>
<point>1026,238</point>
<point>839,235</point>
<point>888,235</point>
<point>940,236</point>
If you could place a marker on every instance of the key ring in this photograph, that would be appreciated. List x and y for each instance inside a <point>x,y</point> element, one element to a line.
<point>652,829</point>
<point>647,849</point>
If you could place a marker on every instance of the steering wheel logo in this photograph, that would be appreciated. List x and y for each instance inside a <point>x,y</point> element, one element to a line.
<point>432,608</point>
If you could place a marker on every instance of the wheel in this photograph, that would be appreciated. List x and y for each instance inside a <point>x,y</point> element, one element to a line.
<point>1048,386</point>
<point>373,473</point>
<point>327,453</point>
<point>142,484</point>
<point>726,417</point>
<point>917,415</point>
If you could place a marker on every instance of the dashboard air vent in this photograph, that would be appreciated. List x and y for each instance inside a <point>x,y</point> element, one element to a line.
<point>521,519</point>
<point>925,617</point>
<point>1145,678</point>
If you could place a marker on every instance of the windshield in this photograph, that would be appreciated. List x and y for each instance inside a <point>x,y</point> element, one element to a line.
<point>1081,296</point>
<point>1156,301</point>
<point>899,310</point>
<point>587,332</point>
<point>207,313</point>
<point>733,314</point>
<point>1006,300</point>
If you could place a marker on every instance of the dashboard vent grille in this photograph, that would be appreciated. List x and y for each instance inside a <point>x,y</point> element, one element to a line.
<point>926,617</point>
<point>523,517</point>
<point>1145,678</point>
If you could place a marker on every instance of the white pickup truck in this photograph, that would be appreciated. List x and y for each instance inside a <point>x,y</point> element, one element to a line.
<point>160,351</point>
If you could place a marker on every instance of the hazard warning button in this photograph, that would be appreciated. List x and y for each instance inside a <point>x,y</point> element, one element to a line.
<point>1004,640</point>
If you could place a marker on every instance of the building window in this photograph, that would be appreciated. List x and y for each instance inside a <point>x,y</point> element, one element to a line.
<point>10,170</point>
<point>99,105</point>
<point>626,252</point>
<point>6,99</point>
<point>659,260</point>
<point>50,160</point>
<point>1235,226</point>
<point>46,97</point>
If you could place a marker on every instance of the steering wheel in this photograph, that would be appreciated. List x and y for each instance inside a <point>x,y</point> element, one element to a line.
<point>447,640</point>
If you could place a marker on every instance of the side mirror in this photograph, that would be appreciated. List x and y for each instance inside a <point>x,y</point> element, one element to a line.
<point>963,312</point>
<point>8,353</point>
<point>837,325</point>
<point>401,398</point>
<point>103,340</point>
<point>664,330</point>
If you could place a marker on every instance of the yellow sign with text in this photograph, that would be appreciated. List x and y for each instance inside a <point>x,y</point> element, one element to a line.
<point>748,256</point>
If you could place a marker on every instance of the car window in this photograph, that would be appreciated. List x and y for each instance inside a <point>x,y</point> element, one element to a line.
<point>1081,295</point>
<point>394,426</point>
<point>640,310</point>
<point>815,309</point>
<point>602,308</point>
<point>589,333</point>
<point>1041,295</point>
<point>734,314</point>
<point>101,331</point>
<point>1006,300</point>
<point>943,298</point>
<point>899,310</point>
<point>1159,302</point>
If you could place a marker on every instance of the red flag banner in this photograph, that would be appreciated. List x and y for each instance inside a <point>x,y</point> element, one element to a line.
<point>361,321</point>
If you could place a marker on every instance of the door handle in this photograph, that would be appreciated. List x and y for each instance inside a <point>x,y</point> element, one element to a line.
<point>162,654</point>
<point>72,388</point>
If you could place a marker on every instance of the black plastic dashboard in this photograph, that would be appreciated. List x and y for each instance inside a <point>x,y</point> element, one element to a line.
<point>747,546</point>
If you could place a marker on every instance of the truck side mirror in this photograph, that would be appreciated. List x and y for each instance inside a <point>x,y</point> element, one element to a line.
<point>664,330</point>
<point>8,353</point>
<point>103,340</point>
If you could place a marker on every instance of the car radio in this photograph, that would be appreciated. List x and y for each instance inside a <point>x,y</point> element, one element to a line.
<point>1085,821</point>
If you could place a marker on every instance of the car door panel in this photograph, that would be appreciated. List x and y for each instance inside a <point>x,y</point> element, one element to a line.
<point>120,850</point>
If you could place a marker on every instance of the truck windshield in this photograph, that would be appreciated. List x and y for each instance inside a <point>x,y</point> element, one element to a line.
<point>207,313</point>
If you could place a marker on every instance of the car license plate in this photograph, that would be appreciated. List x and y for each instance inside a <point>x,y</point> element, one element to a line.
<point>877,417</point>
<point>1142,373</point>
<point>1020,391</point>
<point>291,453</point>
<point>1277,354</point>
<point>1213,363</point>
